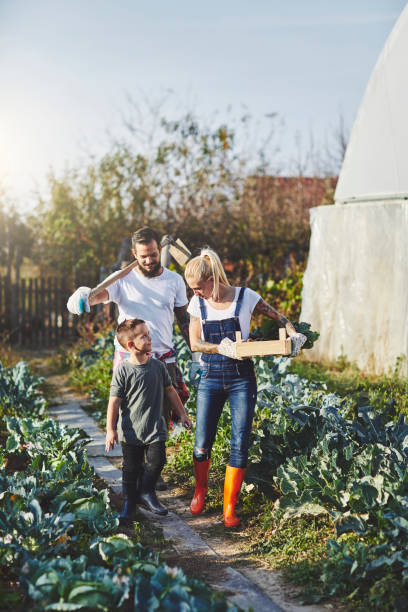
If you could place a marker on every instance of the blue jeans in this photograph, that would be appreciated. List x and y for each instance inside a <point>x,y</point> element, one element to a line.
<point>218,383</point>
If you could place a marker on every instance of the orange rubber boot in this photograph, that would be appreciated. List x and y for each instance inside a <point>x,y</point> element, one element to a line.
<point>201,469</point>
<point>232,486</point>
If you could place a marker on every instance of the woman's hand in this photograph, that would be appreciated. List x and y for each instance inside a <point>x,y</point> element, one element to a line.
<point>228,348</point>
<point>298,341</point>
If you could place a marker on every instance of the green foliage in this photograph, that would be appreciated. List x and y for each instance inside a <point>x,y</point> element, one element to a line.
<point>19,390</point>
<point>91,372</point>
<point>387,394</point>
<point>30,531</point>
<point>353,470</point>
<point>68,584</point>
<point>16,237</point>
<point>46,437</point>
<point>338,466</point>
<point>51,513</point>
<point>285,295</point>
<point>73,584</point>
<point>191,180</point>
<point>269,330</point>
<point>294,539</point>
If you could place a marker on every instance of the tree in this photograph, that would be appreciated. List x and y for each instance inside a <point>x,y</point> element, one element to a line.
<point>187,179</point>
<point>16,238</point>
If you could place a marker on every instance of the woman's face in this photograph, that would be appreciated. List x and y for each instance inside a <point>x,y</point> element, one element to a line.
<point>202,288</point>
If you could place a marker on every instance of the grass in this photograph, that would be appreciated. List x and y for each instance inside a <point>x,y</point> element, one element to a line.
<point>385,393</point>
<point>9,356</point>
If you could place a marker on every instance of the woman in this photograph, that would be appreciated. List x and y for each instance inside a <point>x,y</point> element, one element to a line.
<point>217,311</point>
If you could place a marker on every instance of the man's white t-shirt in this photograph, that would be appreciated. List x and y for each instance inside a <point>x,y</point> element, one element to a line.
<point>250,300</point>
<point>152,299</point>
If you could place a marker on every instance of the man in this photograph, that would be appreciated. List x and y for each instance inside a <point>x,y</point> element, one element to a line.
<point>150,292</point>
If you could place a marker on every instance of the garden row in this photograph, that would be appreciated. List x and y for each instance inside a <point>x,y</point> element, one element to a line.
<point>342,462</point>
<point>58,535</point>
<point>337,466</point>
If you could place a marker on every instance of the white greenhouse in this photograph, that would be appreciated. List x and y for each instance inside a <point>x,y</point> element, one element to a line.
<point>356,281</point>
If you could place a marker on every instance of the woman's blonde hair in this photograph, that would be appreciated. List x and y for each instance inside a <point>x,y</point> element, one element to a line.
<point>205,265</point>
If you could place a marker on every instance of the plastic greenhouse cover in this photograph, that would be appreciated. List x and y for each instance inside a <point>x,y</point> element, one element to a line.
<point>376,164</point>
<point>356,284</point>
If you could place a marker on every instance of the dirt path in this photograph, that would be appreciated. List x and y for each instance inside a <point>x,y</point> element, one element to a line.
<point>197,544</point>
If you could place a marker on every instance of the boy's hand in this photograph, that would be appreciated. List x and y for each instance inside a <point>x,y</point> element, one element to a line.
<point>185,421</point>
<point>111,438</point>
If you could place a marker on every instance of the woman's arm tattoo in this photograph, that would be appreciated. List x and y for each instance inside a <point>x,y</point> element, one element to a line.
<point>197,343</point>
<point>205,347</point>
<point>264,308</point>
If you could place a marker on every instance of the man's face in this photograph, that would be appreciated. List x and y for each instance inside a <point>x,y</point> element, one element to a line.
<point>148,258</point>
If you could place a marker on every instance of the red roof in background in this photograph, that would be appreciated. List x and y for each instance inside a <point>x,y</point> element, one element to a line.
<point>313,191</point>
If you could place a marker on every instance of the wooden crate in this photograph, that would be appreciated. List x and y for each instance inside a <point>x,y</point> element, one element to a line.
<point>260,348</point>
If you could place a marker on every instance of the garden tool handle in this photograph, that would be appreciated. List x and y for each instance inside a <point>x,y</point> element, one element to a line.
<point>112,279</point>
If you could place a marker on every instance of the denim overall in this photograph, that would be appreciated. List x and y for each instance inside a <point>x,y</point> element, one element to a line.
<point>224,378</point>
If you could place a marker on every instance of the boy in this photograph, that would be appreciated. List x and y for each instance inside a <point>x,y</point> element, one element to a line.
<point>138,387</point>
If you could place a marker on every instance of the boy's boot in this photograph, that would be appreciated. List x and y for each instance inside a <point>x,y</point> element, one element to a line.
<point>129,490</point>
<point>232,485</point>
<point>147,495</point>
<point>161,485</point>
<point>201,469</point>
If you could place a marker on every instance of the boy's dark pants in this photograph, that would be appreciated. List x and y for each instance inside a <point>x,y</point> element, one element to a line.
<point>149,458</point>
<point>142,466</point>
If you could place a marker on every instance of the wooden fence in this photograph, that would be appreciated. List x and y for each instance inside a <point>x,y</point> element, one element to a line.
<point>33,312</point>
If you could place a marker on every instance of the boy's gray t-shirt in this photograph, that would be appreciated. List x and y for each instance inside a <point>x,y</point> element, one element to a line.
<point>141,387</point>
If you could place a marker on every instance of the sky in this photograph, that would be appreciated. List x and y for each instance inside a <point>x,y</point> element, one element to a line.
<point>68,67</point>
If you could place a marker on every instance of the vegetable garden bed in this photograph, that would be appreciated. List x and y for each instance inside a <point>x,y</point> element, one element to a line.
<point>326,493</point>
<point>59,546</point>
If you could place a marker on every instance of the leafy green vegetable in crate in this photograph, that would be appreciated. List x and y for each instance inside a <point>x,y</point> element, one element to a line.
<point>269,330</point>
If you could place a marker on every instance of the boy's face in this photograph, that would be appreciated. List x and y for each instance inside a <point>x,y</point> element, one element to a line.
<point>142,342</point>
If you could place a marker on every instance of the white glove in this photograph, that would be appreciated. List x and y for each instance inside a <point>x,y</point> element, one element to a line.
<point>78,302</point>
<point>228,348</point>
<point>298,341</point>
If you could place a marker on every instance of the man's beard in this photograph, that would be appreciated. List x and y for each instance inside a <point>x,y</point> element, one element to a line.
<point>150,273</point>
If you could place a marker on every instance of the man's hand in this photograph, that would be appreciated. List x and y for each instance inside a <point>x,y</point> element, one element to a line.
<point>298,341</point>
<point>228,348</point>
<point>78,302</point>
<point>177,406</point>
<point>185,421</point>
<point>111,439</point>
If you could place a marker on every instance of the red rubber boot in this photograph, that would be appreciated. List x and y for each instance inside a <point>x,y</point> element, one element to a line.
<point>232,486</point>
<point>201,469</point>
